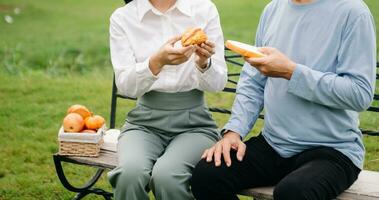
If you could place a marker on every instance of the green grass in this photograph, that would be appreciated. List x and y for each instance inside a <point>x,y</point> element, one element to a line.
<point>56,54</point>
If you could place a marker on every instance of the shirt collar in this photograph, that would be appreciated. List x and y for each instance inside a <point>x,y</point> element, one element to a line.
<point>184,6</point>
<point>144,6</point>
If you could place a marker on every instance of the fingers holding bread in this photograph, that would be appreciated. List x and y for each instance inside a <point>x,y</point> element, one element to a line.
<point>204,48</point>
<point>208,46</point>
<point>182,50</point>
<point>174,39</point>
<point>193,40</point>
<point>203,51</point>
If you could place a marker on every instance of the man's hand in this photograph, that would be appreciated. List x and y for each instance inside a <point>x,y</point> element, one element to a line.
<point>204,52</point>
<point>231,140</point>
<point>274,64</point>
<point>169,55</point>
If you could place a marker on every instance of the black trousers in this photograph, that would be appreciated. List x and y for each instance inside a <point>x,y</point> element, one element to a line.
<point>319,173</point>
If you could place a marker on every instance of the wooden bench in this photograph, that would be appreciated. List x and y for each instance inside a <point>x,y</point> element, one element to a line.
<point>365,188</point>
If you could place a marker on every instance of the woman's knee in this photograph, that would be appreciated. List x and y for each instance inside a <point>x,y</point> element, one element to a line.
<point>129,175</point>
<point>168,175</point>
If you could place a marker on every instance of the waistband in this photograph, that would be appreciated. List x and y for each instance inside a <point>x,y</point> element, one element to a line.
<point>172,101</point>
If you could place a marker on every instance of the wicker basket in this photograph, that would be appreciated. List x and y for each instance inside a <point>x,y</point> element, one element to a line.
<point>79,149</point>
<point>80,144</point>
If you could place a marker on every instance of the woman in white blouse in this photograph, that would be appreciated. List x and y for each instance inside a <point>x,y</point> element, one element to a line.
<point>165,134</point>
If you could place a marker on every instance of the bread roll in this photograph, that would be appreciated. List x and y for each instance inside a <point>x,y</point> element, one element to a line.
<point>193,36</point>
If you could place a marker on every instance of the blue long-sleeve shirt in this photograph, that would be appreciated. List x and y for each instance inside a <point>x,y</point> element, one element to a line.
<point>334,44</point>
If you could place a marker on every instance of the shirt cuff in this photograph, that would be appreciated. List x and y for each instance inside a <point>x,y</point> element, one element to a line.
<point>143,69</point>
<point>235,128</point>
<point>296,85</point>
<point>209,71</point>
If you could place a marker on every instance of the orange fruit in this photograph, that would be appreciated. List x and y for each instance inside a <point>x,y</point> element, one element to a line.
<point>80,109</point>
<point>73,123</point>
<point>88,131</point>
<point>94,122</point>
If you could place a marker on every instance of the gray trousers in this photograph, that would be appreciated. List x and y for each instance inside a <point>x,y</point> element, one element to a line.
<point>160,144</point>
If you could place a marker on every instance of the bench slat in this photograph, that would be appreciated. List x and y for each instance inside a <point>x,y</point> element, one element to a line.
<point>365,188</point>
<point>106,160</point>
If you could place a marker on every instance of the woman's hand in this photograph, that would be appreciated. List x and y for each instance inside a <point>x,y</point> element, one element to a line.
<point>169,55</point>
<point>231,140</point>
<point>204,52</point>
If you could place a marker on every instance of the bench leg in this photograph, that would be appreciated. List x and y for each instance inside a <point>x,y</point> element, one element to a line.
<point>86,188</point>
<point>80,195</point>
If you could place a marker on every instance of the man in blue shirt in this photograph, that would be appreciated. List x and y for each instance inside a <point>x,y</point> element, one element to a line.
<point>318,74</point>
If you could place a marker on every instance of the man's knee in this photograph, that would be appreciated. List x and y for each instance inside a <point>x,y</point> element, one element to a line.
<point>205,176</point>
<point>291,189</point>
<point>201,174</point>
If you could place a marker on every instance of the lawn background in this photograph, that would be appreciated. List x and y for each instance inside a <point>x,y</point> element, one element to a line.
<point>55,54</point>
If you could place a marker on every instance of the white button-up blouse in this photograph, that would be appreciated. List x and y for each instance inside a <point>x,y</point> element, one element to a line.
<point>138,30</point>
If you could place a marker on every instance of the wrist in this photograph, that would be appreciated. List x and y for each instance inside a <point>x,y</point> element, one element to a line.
<point>155,64</point>
<point>232,134</point>
<point>202,63</point>
<point>290,69</point>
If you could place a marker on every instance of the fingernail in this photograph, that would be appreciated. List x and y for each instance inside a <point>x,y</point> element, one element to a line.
<point>239,158</point>
<point>228,164</point>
